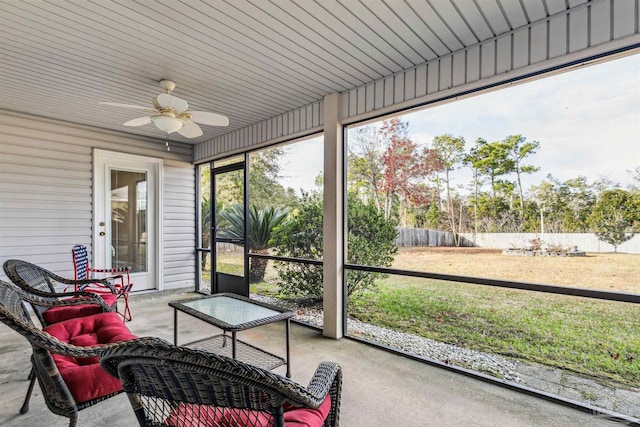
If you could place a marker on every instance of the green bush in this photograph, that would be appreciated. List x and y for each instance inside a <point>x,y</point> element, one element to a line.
<point>371,241</point>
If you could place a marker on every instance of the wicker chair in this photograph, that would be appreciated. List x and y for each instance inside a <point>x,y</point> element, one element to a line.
<point>48,351</point>
<point>37,281</point>
<point>170,385</point>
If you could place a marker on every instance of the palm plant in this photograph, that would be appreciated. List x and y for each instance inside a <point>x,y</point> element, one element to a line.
<point>261,224</point>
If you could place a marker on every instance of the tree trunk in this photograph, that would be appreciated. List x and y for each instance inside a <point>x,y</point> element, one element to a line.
<point>258,267</point>
<point>521,194</point>
<point>205,244</point>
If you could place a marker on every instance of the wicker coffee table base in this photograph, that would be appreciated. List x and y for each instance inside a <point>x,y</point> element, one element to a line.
<point>222,345</point>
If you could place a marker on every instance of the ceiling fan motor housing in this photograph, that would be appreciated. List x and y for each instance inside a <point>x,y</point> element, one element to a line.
<point>167,85</point>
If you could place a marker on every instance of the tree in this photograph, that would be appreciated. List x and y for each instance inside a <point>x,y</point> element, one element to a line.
<point>262,222</point>
<point>265,189</point>
<point>635,175</point>
<point>450,151</point>
<point>566,205</point>
<point>371,241</point>
<point>388,168</point>
<point>516,149</point>
<point>472,161</point>
<point>491,160</point>
<point>613,217</point>
<point>365,148</point>
<point>399,163</point>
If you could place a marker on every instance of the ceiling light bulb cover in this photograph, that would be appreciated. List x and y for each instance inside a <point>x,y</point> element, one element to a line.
<point>167,124</point>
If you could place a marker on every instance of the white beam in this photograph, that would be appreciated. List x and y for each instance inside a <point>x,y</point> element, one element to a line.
<point>333,223</point>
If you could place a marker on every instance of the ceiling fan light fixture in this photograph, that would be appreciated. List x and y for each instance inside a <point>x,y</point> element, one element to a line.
<point>167,124</point>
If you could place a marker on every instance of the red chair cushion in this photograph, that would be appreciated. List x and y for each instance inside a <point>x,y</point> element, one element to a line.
<point>108,297</point>
<point>60,314</point>
<point>205,416</point>
<point>84,376</point>
<point>306,417</point>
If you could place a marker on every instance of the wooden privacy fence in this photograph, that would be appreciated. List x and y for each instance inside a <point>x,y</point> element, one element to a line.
<point>425,237</point>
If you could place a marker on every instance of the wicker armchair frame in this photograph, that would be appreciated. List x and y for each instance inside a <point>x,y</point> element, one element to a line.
<point>40,282</point>
<point>161,378</point>
<point>54,390</point>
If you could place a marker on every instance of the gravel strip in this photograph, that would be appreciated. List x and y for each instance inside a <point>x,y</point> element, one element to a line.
<point>447,353</point>
<point>551,380</point>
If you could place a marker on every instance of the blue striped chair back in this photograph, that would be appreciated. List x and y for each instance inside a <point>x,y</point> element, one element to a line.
<point>81,262</point>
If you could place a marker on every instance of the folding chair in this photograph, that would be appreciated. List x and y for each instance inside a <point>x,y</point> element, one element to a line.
<point>118,277</point>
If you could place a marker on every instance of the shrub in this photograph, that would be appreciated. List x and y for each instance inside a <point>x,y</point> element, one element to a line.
<point>371,241</point>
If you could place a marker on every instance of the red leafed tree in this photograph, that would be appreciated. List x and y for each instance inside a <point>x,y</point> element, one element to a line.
<point>405,168</point>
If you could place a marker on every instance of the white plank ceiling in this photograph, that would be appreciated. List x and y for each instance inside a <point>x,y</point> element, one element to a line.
<point>247,59</point>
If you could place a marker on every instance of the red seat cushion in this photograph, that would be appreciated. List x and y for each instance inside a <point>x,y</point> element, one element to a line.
<point>84,376</point>
<point>108,297</point>
<point>60,314</point>
<point>230,417</point>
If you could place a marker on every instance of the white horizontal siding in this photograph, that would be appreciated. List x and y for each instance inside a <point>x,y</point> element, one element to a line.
<point>179,213</point>
<point>46,192</point>
<point>588,29</point>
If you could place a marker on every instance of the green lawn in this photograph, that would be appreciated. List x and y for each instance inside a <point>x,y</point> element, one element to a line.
<point>596,338</point>
<point>600,339</point>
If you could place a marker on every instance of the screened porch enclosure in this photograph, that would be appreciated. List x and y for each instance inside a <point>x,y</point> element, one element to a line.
<point>300,82</point>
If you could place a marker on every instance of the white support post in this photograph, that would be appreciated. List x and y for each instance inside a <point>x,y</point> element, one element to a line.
<point>333,223</point>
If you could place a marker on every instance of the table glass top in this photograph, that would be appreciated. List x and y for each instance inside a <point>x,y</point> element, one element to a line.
<point>230,310</point>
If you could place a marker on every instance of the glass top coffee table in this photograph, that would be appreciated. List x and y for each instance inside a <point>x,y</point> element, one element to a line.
<point>233,313</point>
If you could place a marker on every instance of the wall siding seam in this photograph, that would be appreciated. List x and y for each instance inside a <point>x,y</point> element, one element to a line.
<point>612,20</point>
<point>567,48</point>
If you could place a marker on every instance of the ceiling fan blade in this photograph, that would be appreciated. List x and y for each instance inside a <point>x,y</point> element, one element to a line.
<point>210,119</point>
<point>134,107</point>
<point>190,129</point>
<point>140,121</point>
<point>169,101</point>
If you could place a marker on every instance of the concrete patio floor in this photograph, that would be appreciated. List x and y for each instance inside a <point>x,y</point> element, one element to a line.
<point>379,389</point>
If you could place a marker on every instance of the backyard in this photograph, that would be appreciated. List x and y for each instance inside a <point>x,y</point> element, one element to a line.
<point>588,336</point>
<point>603,271</point>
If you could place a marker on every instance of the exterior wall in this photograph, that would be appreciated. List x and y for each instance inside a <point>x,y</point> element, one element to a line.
<point>46,193</point>
<point>584,31</point>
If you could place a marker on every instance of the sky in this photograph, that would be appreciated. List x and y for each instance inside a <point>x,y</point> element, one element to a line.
<point>587,122</point>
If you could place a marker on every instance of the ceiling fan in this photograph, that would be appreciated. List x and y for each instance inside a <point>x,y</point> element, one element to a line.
<point>170,114</point>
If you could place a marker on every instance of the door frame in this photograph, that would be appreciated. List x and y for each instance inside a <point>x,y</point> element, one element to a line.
<point>99,206</point>
<point>234,281</point>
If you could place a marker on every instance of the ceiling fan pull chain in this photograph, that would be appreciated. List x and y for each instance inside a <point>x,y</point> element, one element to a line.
<point>166,144</point>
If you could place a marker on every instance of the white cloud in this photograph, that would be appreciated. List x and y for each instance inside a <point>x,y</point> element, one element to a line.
<point>587,120</point>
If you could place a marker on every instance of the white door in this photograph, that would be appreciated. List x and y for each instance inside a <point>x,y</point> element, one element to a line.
<point>126,221</point>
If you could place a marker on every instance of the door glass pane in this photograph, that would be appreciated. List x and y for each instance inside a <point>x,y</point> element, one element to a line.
<point>229,187</point>
<point>230,258</point>
<point>204,245</point>
<point>129,220</point>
